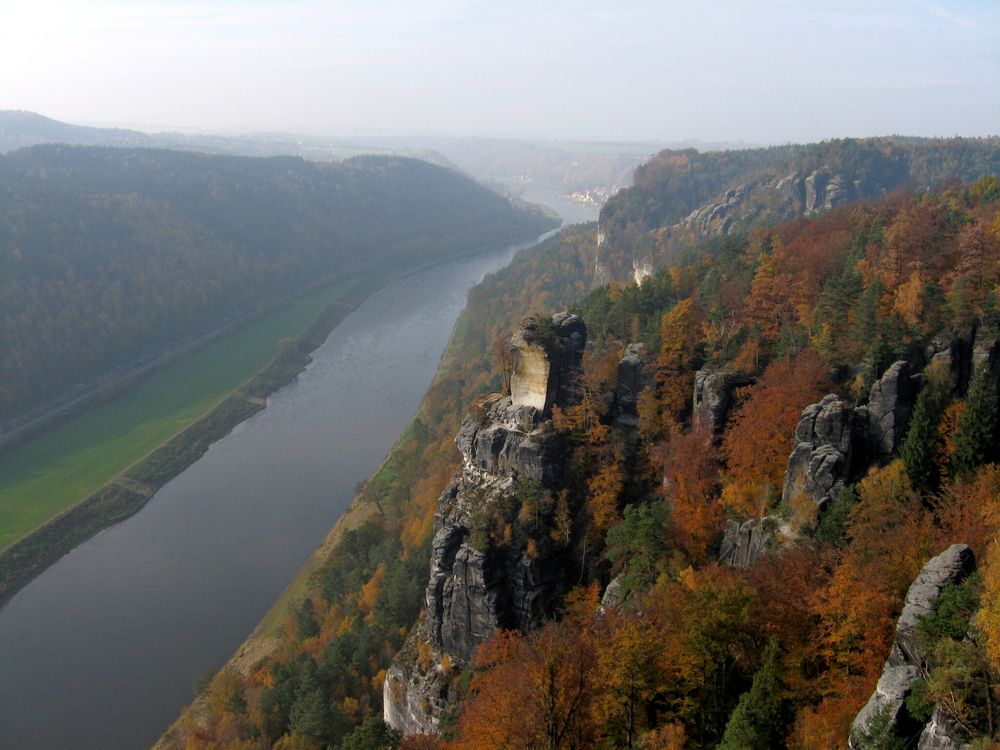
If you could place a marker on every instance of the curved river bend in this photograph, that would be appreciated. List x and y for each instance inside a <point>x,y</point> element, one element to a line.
<point>101,650</point>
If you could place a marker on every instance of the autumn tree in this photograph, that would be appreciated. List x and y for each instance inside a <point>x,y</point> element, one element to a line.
<point>769,309</point>
<point>690,471</point>
<point>759,439</point>
<point>531,691</point>
<point>677,360</point>
<point>627,678</point>
<point>704,628</point>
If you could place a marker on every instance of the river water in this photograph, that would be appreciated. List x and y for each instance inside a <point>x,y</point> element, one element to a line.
<point>100,651</point>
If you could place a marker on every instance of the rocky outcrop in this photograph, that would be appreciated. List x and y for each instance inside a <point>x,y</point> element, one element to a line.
<point>951,566</point>
<point>477,585</point>
<point>835,443</point>
<point>614,595</point>
<point>413,701</point>
<point>743,543</point>
<point>820,462</point>
<point>795,194</point>
<point>985,352</point>
<point>942,733</point>
<point>631,381</point>
<point>906,663</point>
<point>884,419</point>
<point>545,354</point>
<point>641,270</point>
<point>955,352</point>
<point>502,439</point>
<point>713,398</point>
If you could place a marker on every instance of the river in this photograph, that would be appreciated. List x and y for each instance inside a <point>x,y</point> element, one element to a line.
<point>101,650</point>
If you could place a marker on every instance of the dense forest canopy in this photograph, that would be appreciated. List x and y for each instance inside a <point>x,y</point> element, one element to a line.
<point>107,255</point>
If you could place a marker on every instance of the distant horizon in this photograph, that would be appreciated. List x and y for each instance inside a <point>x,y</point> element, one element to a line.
<point>153,129</point>
<point>771,72</point>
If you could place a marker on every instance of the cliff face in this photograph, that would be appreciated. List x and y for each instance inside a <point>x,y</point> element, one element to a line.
<point>476,585</point>
<point>681,198</point>
<point>907,663</point>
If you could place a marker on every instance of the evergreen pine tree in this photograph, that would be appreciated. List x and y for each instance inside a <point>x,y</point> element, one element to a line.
<point>974,440</point>
<point>920,446</point>
<point>757,723</point>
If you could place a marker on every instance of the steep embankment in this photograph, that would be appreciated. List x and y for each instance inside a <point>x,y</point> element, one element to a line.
<point>816,419</point>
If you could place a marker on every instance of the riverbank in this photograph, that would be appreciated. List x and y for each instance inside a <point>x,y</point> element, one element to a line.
<point>264,640</point>
<point>129,491</point>
<point>91,473</point>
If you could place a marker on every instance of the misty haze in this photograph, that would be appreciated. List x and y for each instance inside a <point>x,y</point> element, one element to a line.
<point>474,376</point>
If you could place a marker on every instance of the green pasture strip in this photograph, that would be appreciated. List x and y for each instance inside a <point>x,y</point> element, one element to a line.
<point>54,472</point>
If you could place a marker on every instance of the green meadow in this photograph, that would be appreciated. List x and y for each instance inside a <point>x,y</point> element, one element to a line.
<point>46,476</point>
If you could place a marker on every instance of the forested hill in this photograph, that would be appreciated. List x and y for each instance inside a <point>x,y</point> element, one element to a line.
<point>107,255</point>
<point>681,197</point>
<point>19,129</point>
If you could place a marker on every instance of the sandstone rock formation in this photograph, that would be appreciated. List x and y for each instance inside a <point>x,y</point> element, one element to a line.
<point>795,194</point>
<point>835,443</point>
<point>820,462</point>
<point>743,543</point>
<point>885,418</point>
<point>545,353</point>
<point>713,397</point>
<point>476,586</point>
<point>955,352</point>
<point>906,663</point>
<point>985,352</point>
<point>631,381</point>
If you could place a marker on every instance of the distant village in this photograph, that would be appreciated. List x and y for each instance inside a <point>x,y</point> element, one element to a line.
<point>593,197</point>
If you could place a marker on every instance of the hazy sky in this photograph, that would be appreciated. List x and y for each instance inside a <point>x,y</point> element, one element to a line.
<point>753,70</point>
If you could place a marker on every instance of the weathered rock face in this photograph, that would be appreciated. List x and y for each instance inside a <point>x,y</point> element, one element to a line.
<point>942,733</point>
<point>951,566</point>
<point>985,353</point>
<point>474,586</point>
<point>614,595</point>
<point>955,352</point>
<point>884,419</point>
<point>906,664</point>
<point>744,543</point>
<point>820,461</point>
<point>796,194</point>
<point>835,443</point>
<point>507,440</point>
<point>713,398</point>
<point>631,381</point>
<point>545,354</point>
<point>413,701</point>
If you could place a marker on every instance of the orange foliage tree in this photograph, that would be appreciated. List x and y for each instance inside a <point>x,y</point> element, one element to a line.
<point>759,439</point>
<point>680,330</point>
<point>531,691</point>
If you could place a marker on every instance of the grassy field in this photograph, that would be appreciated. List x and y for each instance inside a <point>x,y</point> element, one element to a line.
<point>48,475</point>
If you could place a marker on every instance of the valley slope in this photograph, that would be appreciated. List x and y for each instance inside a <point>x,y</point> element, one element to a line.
<point>647,491</point>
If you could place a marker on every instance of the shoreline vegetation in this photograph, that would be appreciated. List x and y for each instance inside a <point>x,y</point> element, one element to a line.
<point>127,492</point>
